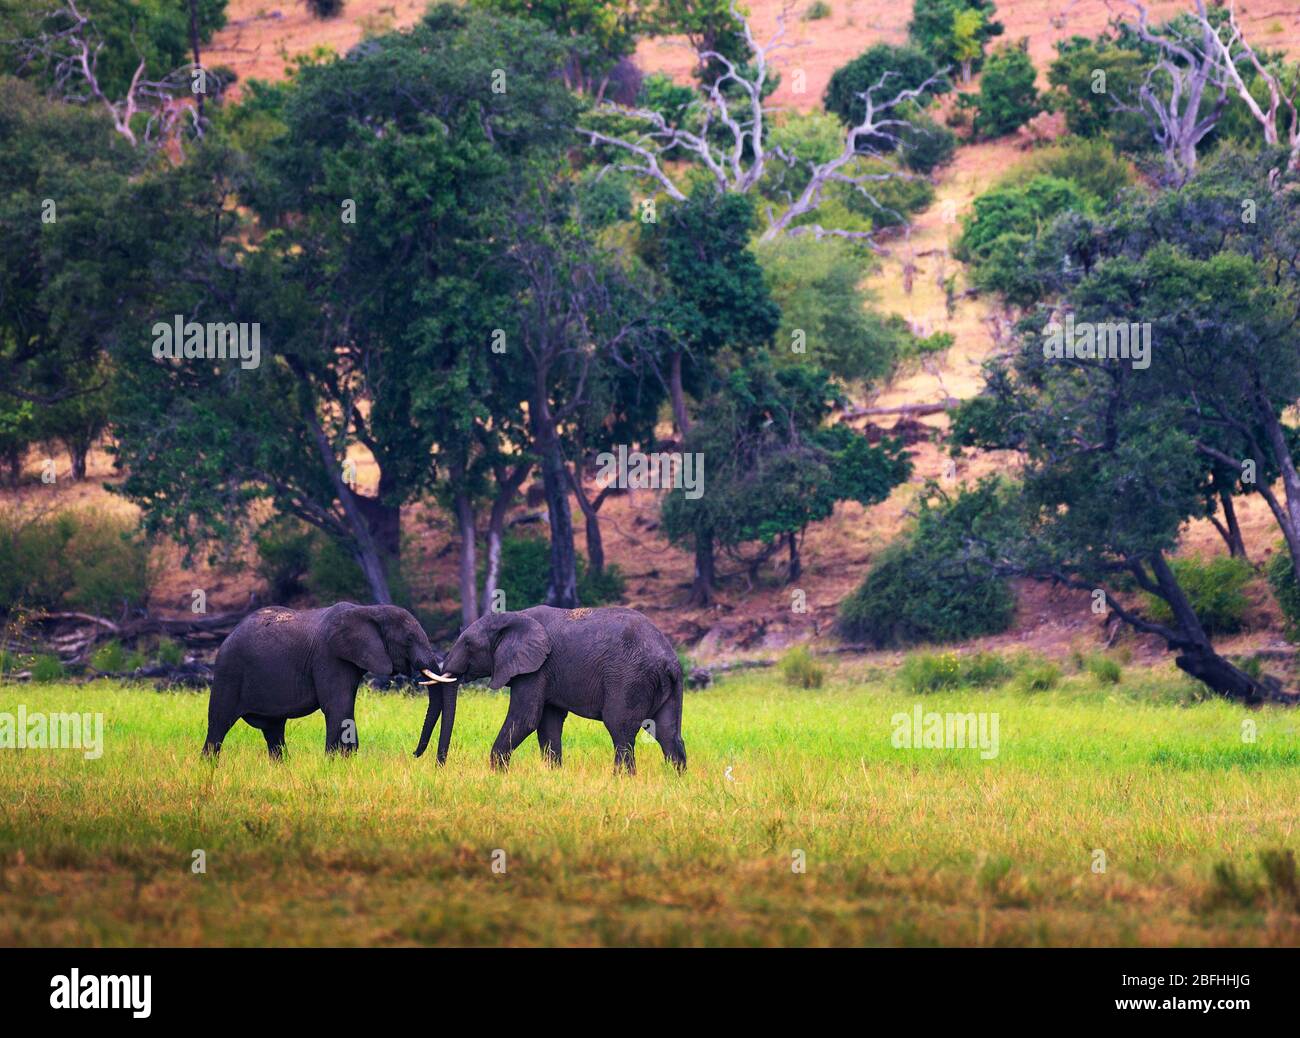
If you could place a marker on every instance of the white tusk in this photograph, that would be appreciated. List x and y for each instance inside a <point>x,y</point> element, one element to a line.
<point>444,678</point>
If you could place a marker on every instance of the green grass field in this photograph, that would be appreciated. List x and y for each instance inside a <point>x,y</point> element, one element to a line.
<point>901,846</point>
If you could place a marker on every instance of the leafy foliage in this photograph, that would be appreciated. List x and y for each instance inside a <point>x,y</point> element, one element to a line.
<point>927,586</point>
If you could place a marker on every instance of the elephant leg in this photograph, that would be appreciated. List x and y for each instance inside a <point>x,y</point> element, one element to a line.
<point>668,733</point>
<point>340,732</point>
<point>521,721</point>
<point>548,733</point>
<point>220,720</point>
<point>624,737</point>
<point>273,732</point>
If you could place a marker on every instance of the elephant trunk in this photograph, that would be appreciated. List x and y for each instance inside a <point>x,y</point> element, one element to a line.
<point>430,719</point>
<point>448,719</point>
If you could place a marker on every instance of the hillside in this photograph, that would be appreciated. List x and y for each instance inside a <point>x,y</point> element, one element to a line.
<point>907,281</point>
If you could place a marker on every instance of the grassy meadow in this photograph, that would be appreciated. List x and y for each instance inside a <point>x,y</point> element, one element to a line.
<point>899,846</point>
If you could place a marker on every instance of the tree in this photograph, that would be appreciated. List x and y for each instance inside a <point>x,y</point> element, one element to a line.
<point>132,58</point>
<point>954,31</point>
<point>1218,375</point>
<point>714,296</point>
<point>575,310</point>
<point>1008,96</point>
<point>371,271</point>
<point>772,467</point>
<point>901,67</point>
<point>68,271</point>
<point>724,136</point>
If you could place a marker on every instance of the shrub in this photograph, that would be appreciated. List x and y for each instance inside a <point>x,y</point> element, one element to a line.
<point>910,66</point>
<point>46,668</point>
<point>817,10</point>
<point>926,145</point>
<point>334,575</point>
<point>925,588</point>
<point>170,652</point>
<point>1037,676</point>
<point>1214,588</point>
<point>98,563</point>
<point>325,8</point>
<point>112,657</point>
<point>937,672</point>
<point>1281,578</point>
<point>800,669</point>
<point>1091,165</point>
<point>1106,670</point>
<point>526,571</point>
<point>1008,96</point>
<point>284,556</point>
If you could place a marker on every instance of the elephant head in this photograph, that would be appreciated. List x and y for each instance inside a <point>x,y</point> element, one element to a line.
<point>503,646</point>
<point>380,639</point>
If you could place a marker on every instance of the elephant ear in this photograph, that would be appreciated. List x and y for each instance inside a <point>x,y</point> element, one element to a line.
<point>521,648</point>
<point>356,638</point>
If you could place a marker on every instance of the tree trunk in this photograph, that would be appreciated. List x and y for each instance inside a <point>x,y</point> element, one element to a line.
<point>364,549</point>
<point>702,588</point>
<point>796,566</point>
<point>78,452</point>
<point>1236,544</point>
<point>562,590</point>
<point>468,560</point>
<point>595,546</point>
<point>678,395</point>
<point>507,487</point>
<point>1290,523</point>
<point>1196,653</point>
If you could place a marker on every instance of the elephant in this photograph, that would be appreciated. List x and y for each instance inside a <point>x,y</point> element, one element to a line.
<point>608,664</point>
<point>281,663</point>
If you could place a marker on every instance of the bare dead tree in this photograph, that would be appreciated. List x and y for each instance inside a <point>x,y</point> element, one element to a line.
<point>1173,109</point>
<point>1236,51</point>
<point>738,156</point>
<point>71,47</point>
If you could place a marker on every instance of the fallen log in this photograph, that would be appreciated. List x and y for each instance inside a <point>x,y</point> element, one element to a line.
<point>911,410</point>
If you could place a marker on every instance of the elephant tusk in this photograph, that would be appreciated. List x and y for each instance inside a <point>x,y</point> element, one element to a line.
<point>444,678</point>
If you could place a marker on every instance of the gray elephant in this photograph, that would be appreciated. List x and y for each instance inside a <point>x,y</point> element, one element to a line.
<point>612,665</point>
<point>282,663</point>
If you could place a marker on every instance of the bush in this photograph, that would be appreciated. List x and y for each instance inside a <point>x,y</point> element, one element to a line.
<point>1106,670</point>
<point>111,657</point>
<point>98,563</point>
<point>1091,165</point>
<point>817,10</point>
<point>46,668</point>
<point>334,575</point>
<point>284,556</point>
<point>925,588</point>
<point>325,8</point>
<point>1037,675</point>
<point>938,672</point>
<point>911,67</point>
<point>1214,588</point>
<point>926,145</point>
<point>526,571</point>
<point>800,669</point>
<point>1008,96</point>
<point>170,652</point>
<point>1281,578</point>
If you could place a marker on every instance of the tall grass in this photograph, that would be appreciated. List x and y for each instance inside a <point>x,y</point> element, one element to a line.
<point>902,846</point>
